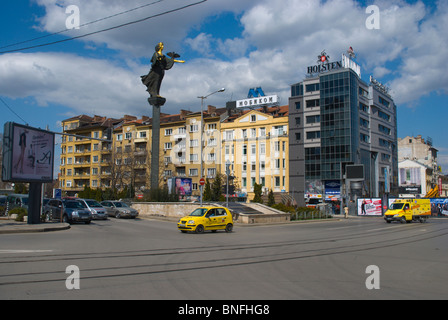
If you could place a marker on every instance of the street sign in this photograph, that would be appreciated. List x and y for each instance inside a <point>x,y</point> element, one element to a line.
<point>202,181</point>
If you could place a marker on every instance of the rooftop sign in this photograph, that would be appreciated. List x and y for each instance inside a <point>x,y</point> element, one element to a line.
<point>256,97</point>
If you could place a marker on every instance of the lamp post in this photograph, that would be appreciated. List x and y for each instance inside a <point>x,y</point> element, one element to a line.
<point>202,129</point>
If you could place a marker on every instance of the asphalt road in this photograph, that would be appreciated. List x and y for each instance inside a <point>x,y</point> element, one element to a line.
<point>150,259</point>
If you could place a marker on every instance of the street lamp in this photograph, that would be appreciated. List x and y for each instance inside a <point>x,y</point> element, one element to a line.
<point>202,129</point>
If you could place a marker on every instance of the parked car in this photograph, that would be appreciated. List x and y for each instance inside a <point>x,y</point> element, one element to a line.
<point>207,218</point>
<point>96,209</point>
<point>67,210</point>
<point>17,200</point>
<point>119,209</point>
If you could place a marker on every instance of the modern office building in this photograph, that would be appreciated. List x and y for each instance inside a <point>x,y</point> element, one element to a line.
<point>336,119</point>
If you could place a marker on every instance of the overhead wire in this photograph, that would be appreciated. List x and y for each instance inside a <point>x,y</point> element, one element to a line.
<point>10,109</point>
<point>83,25</point>
<point>107,29</point>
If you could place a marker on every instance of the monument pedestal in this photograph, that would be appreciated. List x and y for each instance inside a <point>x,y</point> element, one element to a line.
<point>156,103</point>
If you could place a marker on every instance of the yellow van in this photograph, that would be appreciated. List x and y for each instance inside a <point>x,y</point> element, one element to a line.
<point>407,210</point>
<point>207,218</point>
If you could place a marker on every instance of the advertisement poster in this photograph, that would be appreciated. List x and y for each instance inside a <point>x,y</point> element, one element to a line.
<point>180,186</point>
<point>369,207</point>
<point>30,154</point>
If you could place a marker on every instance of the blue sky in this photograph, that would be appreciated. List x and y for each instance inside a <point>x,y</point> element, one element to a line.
<point>233,44</point>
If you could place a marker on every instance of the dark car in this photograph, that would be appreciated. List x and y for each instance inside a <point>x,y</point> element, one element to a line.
<point>119,209</point>
<point>67,211</point>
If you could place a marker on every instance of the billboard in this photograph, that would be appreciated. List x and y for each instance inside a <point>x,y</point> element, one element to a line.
<point>28,154</point>
<point>369,207</point>
<point>180,186</point>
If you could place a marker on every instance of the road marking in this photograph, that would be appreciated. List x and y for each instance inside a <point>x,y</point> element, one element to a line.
<point>24,251</point>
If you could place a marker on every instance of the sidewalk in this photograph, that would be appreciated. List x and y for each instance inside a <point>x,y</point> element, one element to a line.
<point>8,226</point>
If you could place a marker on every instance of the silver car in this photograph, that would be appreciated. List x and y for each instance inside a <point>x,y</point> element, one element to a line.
<point>119,209</point>
<point>96,209</point>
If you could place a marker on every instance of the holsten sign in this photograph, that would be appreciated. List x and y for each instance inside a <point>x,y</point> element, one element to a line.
<point>259,101</point>
<point>325,67</point>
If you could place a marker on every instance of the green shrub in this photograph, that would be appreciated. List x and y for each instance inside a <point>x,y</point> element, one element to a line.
<point>21,212</point>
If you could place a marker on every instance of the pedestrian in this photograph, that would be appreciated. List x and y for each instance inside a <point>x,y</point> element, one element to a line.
<point>346,212</point>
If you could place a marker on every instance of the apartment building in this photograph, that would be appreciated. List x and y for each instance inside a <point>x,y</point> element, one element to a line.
<point>85,156</point>
<point>255,144</point>
<point>254,141</point>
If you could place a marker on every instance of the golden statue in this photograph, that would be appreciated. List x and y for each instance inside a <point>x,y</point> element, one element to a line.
<point>159,63</point>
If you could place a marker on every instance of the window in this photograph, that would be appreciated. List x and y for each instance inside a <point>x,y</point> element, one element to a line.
<point>298,136</point>
<point>365,138</point>
<point>312,103</point>
<point>253,149</point>
<point>194,143</point>
<point>384,129</point>
<point>263,132</point>
<point>194,172</point>
<point>364,123</point>
<point>194,157</point>
<point>262,148</point>
<point>244,149</point>
<point>211,172</point>
<point>212,126</point>
<point>277,146</point>
<point>194,128</point>
<point>312,87</point>
<point>253,118</point>
<point>119,137</point>
<point>313,135</point>
<point>142,134</point>
<point>313,119</point>
<point>128,135</point>
<point>168,145</point>
<point>384,102</point>
<point>168,132</point>
<point>297,121</point>
<point>383,115</point>
<point>253,133</point>
<point>182,130</point>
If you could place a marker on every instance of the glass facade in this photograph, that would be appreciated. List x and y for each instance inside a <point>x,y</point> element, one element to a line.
<point>339,122</point>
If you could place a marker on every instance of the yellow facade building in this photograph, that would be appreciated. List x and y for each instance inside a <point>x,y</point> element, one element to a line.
<point>254,142</point>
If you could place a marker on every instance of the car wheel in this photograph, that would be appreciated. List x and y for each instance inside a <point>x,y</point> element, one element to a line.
<point>117,215</point>
<point>47,217</point>
<point>88,222</point>
<point>65,219</point>
<point>229,227</point>
<point>200,229</point>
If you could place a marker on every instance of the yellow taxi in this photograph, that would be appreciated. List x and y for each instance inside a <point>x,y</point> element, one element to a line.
<point>207,218</point>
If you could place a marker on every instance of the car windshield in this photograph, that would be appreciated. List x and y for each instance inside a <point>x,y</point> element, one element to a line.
<point>396,206</point>
<point>199,212</point>
<point>74,204</point>
<point>93,203</point>
<point>121,205</point>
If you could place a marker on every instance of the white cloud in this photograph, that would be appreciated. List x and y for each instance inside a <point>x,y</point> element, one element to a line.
<point>284,40</point>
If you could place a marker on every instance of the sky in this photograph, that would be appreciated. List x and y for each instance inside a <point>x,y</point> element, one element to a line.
<point>49,73</point>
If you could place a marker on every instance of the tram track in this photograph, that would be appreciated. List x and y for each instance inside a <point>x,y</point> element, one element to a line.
<point>228,257</point>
